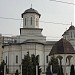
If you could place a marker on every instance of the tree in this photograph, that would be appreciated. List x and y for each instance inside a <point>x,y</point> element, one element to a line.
<point>33,63</point>
<point>2,67</point>
<point>72,70</point>
<point>48,70</point>
<point>55,64</point>
<point>29,64</point>
<point>17,73</point>
<point>35,60</point>
<point>60,71</point>
<point>39,69</point>
<point>27,67</point>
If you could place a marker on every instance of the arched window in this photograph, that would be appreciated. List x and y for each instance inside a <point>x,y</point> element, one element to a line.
<point>74,35</point>
<point>6,59</point>
<point>31,20</point>
<point>16,58</point>
<point>47,59</point>
<point>71,34</point>
<point>36,21</point>
<point>69,59</point>
<point>25,21</point>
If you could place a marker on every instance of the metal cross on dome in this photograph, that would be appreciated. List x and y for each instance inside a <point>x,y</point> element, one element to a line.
<point>31,5</point>
<point>71,23</point>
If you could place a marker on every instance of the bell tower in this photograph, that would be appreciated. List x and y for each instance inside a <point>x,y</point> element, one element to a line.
<point>31,18</point>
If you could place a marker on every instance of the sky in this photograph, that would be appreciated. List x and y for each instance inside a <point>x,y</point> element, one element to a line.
<point>51,11</point>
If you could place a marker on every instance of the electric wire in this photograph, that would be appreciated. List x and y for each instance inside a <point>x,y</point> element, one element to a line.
<point>32,20</point>
<point>63,2</point>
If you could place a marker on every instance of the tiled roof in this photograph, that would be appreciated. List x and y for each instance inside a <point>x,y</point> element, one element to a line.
<point>62,47</point>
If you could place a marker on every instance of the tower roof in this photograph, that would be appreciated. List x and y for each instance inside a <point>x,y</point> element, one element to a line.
<point>62,47</point>
<point>70,28</point>
<point>31,10</point>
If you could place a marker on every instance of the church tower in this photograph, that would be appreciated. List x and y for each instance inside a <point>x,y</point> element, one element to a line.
<point>31,18</point>
<point>31,28</point>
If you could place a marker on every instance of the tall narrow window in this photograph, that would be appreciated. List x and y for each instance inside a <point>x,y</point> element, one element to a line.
<point>25,21</point>
<point>16,58</point>
<point>6,59</point>
<point>36,21</point>
<point>74,35</point>
<point>31,20</point>
<point>47,59</point>
<point>71,34</point>
<point>37,59</point>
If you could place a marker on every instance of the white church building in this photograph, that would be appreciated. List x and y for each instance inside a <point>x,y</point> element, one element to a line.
<point>32,40</point>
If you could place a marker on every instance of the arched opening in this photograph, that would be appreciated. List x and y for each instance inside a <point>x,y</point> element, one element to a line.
<point>60,59</point>
<point>69,59</point>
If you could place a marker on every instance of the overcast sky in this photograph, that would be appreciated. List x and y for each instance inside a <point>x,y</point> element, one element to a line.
<point>50,11</point>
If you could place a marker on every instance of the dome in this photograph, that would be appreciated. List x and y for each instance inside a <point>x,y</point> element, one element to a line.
<point>62,47</point>
<point>31,10</point>
<point>71,27</point>
<point>32,41</point>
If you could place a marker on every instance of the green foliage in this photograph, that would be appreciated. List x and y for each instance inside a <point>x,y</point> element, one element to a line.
<point>72,72</point>
<point>55,64</point>
<point>2,68</point>
<point>48,69</point>
<point>27,67</point>
<point>17,73</point>
<point>60,71</point>
<point>29,64</point>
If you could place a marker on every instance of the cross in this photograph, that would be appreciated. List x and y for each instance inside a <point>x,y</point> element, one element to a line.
<point>31,5</point>
<point>71,23</point>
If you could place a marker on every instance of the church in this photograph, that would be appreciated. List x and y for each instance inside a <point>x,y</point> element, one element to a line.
<point>31,40</point>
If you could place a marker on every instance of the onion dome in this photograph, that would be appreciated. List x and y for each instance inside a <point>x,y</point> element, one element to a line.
<point>62,47</point>
<point>31,10</point>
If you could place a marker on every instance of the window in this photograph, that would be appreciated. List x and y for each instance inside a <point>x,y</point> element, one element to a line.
<point>71,34</point>
<point>47,59</point>
<point>31,20</point>
<point>16,58</point>
<point>37,59</point>
<point>6,59</point>
<point>36,21</point>
<point>25,21</point>
<point>74,35</point>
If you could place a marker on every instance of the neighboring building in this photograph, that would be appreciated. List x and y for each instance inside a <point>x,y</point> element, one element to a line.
<point>65,54</point>
<point>1,49</point>
<point>32,40</point>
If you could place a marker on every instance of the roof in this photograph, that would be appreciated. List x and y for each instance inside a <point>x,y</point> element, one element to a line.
<point>50,42</point>
<point>70,28</point>
<point>32,41</point>
<point>62,47</point>
<point>24,42</point>
<point>31,10</point>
